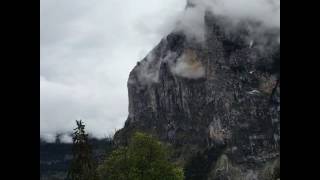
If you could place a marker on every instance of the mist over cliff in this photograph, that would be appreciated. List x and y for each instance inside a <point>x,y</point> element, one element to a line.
<point>211,89</point>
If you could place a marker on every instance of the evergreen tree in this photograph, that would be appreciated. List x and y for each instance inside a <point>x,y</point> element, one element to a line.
<point>82,166</point>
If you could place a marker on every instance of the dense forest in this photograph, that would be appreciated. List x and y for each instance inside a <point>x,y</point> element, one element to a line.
<point>55,157</point>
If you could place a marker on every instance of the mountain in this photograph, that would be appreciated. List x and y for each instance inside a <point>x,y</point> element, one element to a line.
<point>216,102</point>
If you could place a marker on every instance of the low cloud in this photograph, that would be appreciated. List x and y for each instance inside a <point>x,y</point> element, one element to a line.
<point>188,66</point>
<point>265,12</point>
<point>191,22</point>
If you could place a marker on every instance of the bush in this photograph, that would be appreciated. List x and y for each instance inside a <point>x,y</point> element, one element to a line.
<point>143,159</point>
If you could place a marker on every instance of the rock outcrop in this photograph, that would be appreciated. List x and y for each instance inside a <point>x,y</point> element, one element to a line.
<point>219,99</point>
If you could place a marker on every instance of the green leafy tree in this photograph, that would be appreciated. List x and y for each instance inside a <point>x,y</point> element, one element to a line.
<point>82,166</point>
<point>143,159</point>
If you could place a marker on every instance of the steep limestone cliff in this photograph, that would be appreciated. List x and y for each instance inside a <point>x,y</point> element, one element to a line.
<point>219,99</point>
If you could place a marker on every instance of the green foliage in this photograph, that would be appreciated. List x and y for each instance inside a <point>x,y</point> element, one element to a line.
<point>82,166</point>
<point>116,166</point>
<point>143,159</point>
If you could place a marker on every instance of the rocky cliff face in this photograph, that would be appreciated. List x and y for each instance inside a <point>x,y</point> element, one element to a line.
<point>218,99</point>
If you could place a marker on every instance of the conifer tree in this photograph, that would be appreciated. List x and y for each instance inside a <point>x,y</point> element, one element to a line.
<point>82,166</point>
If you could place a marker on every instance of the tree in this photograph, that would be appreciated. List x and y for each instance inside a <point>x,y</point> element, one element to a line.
<point>82,166</point>
<point>116,166</point>
<point>143,159</point>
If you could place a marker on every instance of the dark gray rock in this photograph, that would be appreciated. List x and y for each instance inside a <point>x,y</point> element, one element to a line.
<point>221,95</point>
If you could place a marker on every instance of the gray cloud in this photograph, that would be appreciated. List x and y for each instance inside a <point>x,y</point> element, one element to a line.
<point>87,50</point>
<point>266,12</point>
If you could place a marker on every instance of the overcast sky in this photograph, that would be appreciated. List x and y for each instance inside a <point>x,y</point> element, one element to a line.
<point>88,49</point>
